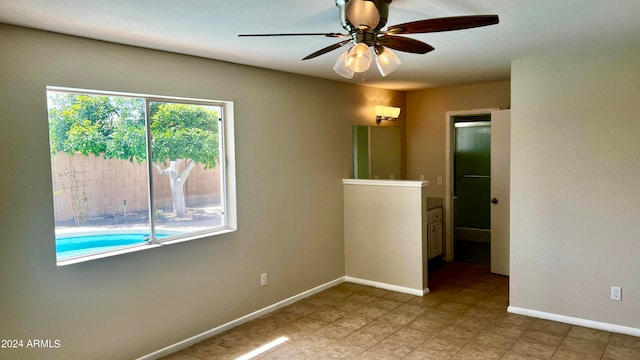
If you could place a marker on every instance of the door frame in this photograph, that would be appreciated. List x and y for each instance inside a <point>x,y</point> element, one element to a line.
<point>448,174</point>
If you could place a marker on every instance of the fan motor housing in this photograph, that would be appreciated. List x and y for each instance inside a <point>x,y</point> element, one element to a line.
<point>383,11</point>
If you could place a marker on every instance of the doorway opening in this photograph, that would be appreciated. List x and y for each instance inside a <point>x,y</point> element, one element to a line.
<point>467,182</point>
<point>472,232</point>
<point>472,188</point>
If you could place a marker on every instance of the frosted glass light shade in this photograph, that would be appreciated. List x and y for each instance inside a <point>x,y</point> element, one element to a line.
<point>387,112</point>
<point>341,67</point>
<point>387,61</point>
<point>359,58</point>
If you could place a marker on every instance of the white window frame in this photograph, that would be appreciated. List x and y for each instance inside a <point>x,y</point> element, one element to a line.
<point>227,163</point>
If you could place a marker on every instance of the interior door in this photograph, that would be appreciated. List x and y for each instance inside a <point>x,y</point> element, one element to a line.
<point>500,170</point>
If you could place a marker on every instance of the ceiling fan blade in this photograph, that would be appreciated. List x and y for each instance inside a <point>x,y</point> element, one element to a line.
<point>405,44</point>
<point>327,49</point>
<point>336,35</point>
<point>443,24</point>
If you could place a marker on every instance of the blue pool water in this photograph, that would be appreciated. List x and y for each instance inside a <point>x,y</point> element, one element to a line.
<point>82,245</point>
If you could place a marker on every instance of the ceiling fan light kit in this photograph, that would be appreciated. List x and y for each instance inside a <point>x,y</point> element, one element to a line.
<point>341,68</point>
<point>359,58</point>
<point>364,20</point>
<point>386,60</point>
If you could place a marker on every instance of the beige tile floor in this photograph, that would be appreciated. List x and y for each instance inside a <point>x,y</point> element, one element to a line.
<point>464,317</point>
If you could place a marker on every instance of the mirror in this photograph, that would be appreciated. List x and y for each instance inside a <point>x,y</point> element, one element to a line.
<point>377,152</point>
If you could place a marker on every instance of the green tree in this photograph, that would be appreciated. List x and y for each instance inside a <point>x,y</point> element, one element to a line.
<point>182,135</point>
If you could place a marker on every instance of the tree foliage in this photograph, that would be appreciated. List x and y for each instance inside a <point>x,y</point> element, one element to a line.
<point>182,131</point>
<point>114,128</point>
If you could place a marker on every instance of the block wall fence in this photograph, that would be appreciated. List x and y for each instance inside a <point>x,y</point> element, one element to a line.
<point>107,183</point>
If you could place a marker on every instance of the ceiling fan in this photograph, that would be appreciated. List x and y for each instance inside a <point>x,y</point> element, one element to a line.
<point>364,20</point>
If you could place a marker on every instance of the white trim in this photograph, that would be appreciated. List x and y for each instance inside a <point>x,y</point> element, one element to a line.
<point>575,321</point>
<point>207,102</point>
<point>135,248</point>
<point>390,287</point>
<point>377,182</point>
<point>229,181</point>
<point>231,324</point>
<point>472,124</point>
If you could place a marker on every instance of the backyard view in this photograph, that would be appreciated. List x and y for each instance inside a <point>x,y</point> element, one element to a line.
<point>107,195</point>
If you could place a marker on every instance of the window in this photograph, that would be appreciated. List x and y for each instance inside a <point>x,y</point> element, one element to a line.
<point>130,172</point>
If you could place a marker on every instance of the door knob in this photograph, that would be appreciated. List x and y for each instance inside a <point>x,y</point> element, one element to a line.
<point>494,200</point>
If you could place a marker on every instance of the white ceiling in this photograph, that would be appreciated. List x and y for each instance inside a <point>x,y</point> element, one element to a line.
<point>209,28</point>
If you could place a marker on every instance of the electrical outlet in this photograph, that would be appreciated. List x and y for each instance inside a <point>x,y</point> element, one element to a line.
<point>616,293</point>
<point>439,180</point>
<point>421,177</point>
<point>263,279</point>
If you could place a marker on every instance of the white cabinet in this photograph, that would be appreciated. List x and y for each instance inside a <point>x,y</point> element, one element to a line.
<point>435,240</point>
<point>434,235</point>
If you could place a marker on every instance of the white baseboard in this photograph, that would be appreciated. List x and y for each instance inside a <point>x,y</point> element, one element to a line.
<point>390,287</point>
<point>576,321</point>
<point>231,324</point>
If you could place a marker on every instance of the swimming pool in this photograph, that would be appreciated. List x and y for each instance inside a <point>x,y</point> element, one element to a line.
<point>86,244</point>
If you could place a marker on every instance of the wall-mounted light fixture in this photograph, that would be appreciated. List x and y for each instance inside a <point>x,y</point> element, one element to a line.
<point>387,113</point>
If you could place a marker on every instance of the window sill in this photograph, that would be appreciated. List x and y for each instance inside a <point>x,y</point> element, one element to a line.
<point>136,248</point>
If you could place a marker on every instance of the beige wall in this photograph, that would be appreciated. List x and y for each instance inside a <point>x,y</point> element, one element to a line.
<point>575,185</point>
<point>385,234</point>
<point>293,147</point>
<point>385,156</point>
<point>426,126</point>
